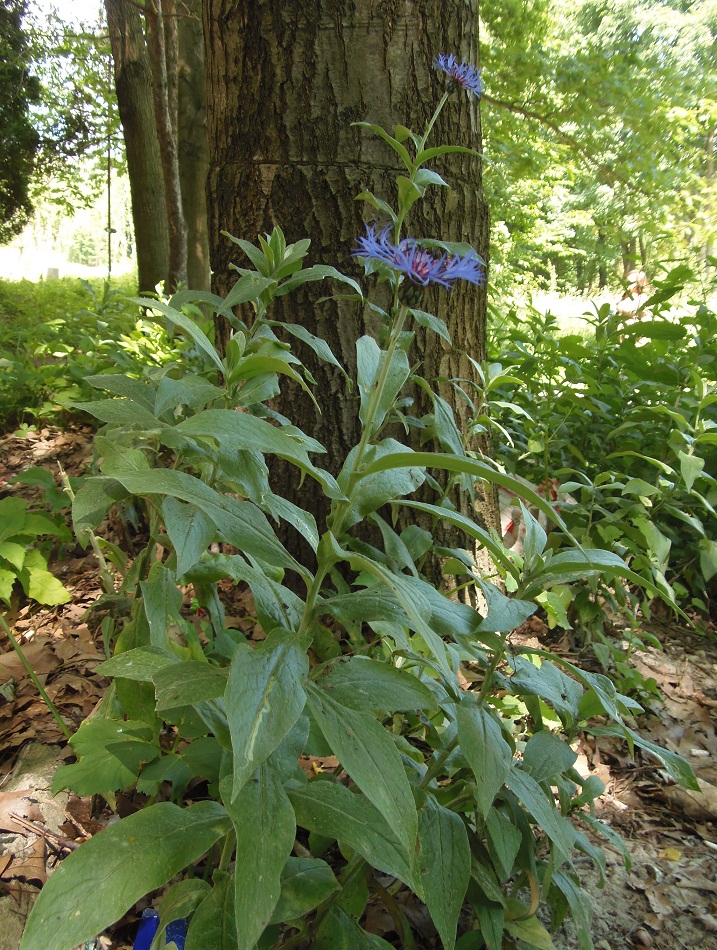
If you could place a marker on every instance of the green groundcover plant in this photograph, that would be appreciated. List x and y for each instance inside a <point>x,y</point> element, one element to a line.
<point>623,417</point>
<point>84,330</point>
<point>466,797</point>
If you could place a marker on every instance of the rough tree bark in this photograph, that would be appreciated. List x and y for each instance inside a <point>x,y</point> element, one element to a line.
<point>285,79</point>
<point>192,142</point>
<point>164,85</point>
<point>133,82</point>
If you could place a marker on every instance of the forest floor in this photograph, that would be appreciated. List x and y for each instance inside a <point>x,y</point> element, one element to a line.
<point>666,900</point>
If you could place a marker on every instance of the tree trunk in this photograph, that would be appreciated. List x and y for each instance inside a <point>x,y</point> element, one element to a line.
<point>164,99</point>
<point>133,82</point>
<point>193,144</point>
<point>284,82</point>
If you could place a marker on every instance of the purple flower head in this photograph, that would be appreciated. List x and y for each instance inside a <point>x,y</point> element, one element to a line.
<point>418,263</point>
<point>460,74</point>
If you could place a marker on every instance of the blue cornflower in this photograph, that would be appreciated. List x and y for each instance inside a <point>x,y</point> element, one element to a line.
<point>416,262</point>
<point>460,74</point>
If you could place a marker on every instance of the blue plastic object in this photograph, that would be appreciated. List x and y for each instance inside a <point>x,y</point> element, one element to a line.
<point>176,932</point>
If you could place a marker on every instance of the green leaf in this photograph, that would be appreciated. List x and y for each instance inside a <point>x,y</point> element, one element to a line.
<point>373,491</point>
<point>371,758</point>
<point>7,581</point>
<point>504,840</point>
<point>546,755</point>
<point>409,593</point>
<point>691,467</point>
<point>495,547</point>
<point>338,931</point>
<point>369,363</point>
<point>136,390</point>
<point>187,683</point>
<point>543,810</point>
<point>39,583</point>
<point>378,203</point>
<point>305,883</point>
<point>679,768</point>
<point>243,431</point>
<point>319,346</point>
<point>14,554</point>
<point>240,523</point>
<point>580,903</point>
<point>708,558</point>
<point>316,272</point>
<point>131,858</point>
<point>431,322</point>
<point>121,412</point>
<point>182,899</point>
<point>408,193</point>
<point>12,516</point>
<point>162,603</point>
<point>193,391</point>
<point>467,466</point>
<point>445,866</point>
<point>332,810</point>
<point>202,341</point>
<point>530,931</point>
<point>213,926</point>
<point>111,754</point>
<point>504,613</point>
<point>264,698</point>
<point>548,682</point>
<point>248,287</point>
<point>430,153</point>
<point>190,531</point>
<point>590,563</point>
<point>375,686</point>
<point>394,143</point>
<point>485,750</point>
<point>139,664</point>
<point>265,830</point>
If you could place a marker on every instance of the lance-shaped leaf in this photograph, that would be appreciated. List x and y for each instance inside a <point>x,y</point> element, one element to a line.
<point>213,925</point>
<point>466,466</point>
<point>242,431</point>
<point>332,810</point>
<point>543,810</point>
<point>263,700</point>
<point>445,866</point>
<point>190,530</point>
<point>265,830</point>
<point>240,523</point>
<point>371,758</point>
<point>373,686</point>
<point>485,750</point>
<point>370,361</point>
<point>126,860</point>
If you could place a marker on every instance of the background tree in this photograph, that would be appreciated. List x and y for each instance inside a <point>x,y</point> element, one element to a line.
<point>285,80</point>
<point>158,54</point>
<point>19,140</point>
<point>597,120</point>
<point>133,80</point>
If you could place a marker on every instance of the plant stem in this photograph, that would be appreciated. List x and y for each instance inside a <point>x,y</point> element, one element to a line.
<point>33,676</point>
<point>436,764</point>
<point>105,576</point>
<point>336,520</point>
<point>227,851</point>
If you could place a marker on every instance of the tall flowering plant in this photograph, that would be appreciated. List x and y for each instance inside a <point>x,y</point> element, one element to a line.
<point>373,743</point>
